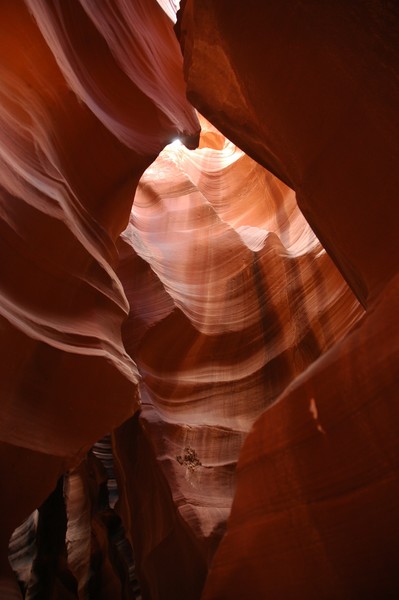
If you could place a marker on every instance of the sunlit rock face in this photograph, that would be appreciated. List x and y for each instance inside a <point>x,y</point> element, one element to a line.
<point>89,94</point>
<point>231,297</point>
<point>315,513</point>
<point>311,91</point>
<point>207,325</point>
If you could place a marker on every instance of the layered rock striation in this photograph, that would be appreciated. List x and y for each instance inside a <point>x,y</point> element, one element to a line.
<point>310,90</point>
<point>231,298</point>
<point>78,128</point>
<point>207,324</point>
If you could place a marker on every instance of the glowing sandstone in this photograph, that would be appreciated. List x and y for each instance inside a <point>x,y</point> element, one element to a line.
<point>227,296</point>
<point>231,297</point>
<point>76,134</point>
<point>311,91</point>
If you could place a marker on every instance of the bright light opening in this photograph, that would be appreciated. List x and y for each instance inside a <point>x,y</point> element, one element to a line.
<point>175,143</point>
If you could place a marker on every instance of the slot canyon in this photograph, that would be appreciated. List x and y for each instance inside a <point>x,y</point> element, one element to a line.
<point>199,277</point>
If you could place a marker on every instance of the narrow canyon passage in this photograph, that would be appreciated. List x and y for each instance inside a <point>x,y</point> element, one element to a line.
<point>198,397</point>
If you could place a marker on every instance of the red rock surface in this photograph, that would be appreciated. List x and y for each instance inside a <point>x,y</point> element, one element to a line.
<point>311,91</point>
<point>315,514</point>
<point>231,297</point>
<point>217,311</point>
<point>77,131</point>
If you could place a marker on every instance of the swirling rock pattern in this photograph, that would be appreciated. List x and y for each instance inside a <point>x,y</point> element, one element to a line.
<point>78,128</point>
<point>217,306</point>
<point>315,513</point>
<point>311,91</point>
<point>231,297</point>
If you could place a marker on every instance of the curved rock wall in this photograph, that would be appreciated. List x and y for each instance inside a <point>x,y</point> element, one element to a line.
<point>231,297</point>
<point>217,311</point>
<point>73,145</point>
<point>311,91</point>
<point>315,513</point>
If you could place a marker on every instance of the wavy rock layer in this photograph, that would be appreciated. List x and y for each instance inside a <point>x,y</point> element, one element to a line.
<point>311,91</point>
<point>79,124</point>
<point>315,513</point>
<point>218,304</point>
<point>231,297</point>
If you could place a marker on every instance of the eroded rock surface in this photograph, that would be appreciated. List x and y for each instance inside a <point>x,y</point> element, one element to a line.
<point>231,297</point>
<point>78,128</point>
<point>315,513</point>
<point>311,91</point>
<point>217,311</point>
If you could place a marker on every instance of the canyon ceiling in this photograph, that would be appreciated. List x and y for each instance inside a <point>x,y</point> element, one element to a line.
<point>199,310</point>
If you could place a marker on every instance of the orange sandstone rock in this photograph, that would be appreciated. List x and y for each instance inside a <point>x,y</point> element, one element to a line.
<point>77,131</point>
<point>315,513</point>
<point>231,297</point>
<point>310,90</point>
